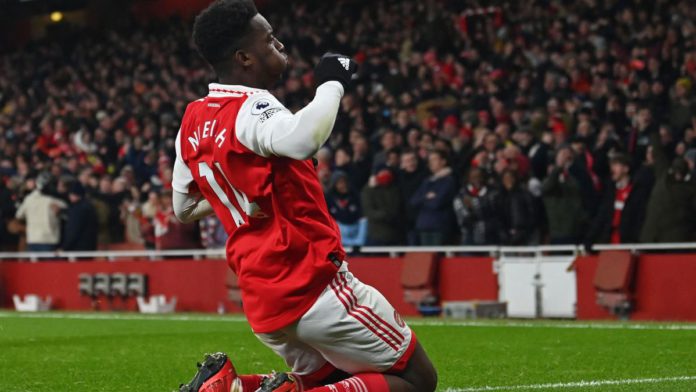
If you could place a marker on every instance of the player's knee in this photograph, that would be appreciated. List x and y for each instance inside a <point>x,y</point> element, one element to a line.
<point>422,381</point>
<point>421,373</point>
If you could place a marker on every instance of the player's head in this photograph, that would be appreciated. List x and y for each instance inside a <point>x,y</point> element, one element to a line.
<point>239,43</point>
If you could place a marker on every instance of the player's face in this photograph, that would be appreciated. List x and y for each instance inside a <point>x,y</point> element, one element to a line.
<point>268,54</point>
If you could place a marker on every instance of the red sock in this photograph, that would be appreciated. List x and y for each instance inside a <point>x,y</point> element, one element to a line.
<point>315,379</point>
<point>251,382</point>
<point>367,382</point>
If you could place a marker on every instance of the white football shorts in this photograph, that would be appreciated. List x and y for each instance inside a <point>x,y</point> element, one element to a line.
<point>351,326</point>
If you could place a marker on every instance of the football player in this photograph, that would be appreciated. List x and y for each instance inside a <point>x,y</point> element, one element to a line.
<point>244,157</point>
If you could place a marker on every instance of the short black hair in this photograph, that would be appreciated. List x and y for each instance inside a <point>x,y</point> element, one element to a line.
<point>620,158</point>
<point>442,154</point>
<point>219,28</point>
<point>409,150</point>
<point>395,150</point>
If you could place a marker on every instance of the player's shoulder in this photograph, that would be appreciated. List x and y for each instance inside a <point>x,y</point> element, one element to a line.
<point>261,106</point>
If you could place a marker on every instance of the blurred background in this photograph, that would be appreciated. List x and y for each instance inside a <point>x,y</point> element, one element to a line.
<point>471,123</point>
<point>468,125</point>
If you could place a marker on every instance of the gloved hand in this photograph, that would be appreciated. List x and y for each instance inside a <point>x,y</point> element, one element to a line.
<point>336,67</point>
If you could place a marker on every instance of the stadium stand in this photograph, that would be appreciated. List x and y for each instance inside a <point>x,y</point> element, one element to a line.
<point>540,108</point>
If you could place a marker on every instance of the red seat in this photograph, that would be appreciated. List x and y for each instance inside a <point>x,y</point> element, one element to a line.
<point>419,278</point>
<point>614,280</point>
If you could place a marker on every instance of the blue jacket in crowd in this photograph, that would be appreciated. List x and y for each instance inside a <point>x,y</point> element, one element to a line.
<point>435,213</point>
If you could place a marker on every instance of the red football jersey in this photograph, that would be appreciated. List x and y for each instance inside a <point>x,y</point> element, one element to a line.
<point>281,234</point>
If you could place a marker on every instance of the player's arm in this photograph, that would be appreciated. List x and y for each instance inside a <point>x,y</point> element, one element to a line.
<point>189,208</point>
<point>188,204</point>
<point>266,127</point>
<point>300,136</point>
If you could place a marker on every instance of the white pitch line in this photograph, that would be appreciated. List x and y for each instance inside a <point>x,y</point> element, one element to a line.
<point>122,316</point>
<point>558,325</point>
<point>413,322</point>
<point>577,384</point>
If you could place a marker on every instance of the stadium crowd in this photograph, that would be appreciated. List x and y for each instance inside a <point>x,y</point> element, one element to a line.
<point>521,123</point>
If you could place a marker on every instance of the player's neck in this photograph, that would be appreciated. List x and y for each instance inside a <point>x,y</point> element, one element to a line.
<point>240,79</point>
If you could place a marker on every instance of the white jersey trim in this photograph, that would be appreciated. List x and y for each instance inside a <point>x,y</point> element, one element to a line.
<point>217,90</point>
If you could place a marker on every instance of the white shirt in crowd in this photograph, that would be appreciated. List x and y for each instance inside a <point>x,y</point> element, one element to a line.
<point>41,214</point>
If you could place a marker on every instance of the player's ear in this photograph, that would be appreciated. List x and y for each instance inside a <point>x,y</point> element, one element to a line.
<point>243,58</point>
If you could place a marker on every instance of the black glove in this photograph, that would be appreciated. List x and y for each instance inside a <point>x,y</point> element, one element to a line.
<point>336,67</point>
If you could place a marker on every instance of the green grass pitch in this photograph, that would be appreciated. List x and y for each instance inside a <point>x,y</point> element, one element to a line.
<point>128,352</point>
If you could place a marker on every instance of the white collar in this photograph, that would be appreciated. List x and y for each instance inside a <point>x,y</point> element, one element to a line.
<point>229,90</point>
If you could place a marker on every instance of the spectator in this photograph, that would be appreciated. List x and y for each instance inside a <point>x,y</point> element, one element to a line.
<point>605,82</point>
<point>7,214</point>
<point>111,196</point>
<point>475,207</point>
<point>516,210</point>
<point>639,135</point>
<point>563,201</point>
<point>583,172</point>
<point>411,176</point>
<point>672,205</point>
<point>344,206</point>
<point>42,214</point>
<point>343,163</point>
<point>213,235</point>
<point>362,161</point>
<point>381,202</point>
<point>103,211</point>
<point>487,154</point>
<point>146,216</point>
<point>682,106</point>
<point>621,212</point>
<point>81,226</point>
<point>433,202</point>
<point>130,217</point>
<point>606,144</point>
<point>538,151</point>
<point>389,140</point>
<point>393,160</point>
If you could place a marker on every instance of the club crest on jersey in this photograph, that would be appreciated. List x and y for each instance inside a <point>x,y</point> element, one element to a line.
<point>260,106</point>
